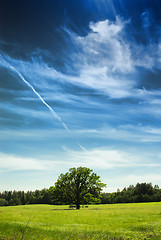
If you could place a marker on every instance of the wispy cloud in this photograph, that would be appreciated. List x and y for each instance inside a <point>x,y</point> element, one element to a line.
<point>109,60</point>
<point>13,162</point>
<point>10,162</point>
<point>12,68</point>
<point>129,133</point>
<point>106,158</point>
<point>105,60</point>
<point>95,158</point>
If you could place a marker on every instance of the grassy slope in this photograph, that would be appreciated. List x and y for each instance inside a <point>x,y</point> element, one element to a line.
<point>120,221</point>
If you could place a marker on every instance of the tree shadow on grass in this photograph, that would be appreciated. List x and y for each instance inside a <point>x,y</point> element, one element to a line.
<point>63,209</point>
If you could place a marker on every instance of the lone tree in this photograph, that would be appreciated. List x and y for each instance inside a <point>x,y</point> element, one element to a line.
<point>78,186</point>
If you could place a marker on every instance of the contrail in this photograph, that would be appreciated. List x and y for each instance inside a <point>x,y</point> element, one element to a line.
<point>83,148</point>
<point>39,96</point>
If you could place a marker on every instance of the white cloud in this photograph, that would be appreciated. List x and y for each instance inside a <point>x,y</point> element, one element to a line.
<point>96,158</point>
<point>103,57</point>
<point>104,158</point>
<point>106,58</point>
<point>103,62</point>
<point>9,162</point>
<point>105,46</point>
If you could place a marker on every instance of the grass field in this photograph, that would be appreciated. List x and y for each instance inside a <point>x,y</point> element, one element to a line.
<point>45,222</point>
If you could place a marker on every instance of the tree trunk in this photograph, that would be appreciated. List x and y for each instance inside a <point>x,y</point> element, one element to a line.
<point>77,206</point>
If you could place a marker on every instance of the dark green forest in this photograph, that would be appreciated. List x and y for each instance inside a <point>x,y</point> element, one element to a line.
<point>142,192</point>
<point>12,198</point>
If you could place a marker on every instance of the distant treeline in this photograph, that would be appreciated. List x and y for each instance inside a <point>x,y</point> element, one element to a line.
<point>142,192</point>
<point>12,198</point>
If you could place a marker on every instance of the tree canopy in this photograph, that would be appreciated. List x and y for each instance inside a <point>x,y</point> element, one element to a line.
<point>78,186</point>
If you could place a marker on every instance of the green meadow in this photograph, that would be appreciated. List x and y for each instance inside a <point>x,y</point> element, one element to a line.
<point>117,221</point>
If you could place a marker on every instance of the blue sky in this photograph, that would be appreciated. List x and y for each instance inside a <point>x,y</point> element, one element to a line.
<point>80,85</point>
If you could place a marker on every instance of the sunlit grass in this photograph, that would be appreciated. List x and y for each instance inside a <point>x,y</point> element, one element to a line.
<point>120,221</point>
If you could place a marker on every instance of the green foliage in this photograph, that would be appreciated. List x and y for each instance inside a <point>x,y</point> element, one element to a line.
<point>78,186</point>
<point>3,202</point>
<point>142,192</point>
<point>13,198</point>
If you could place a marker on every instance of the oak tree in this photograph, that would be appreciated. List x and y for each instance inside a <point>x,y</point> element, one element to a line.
<point>78,186</point>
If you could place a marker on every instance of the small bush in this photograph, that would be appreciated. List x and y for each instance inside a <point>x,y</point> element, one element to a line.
<point>72,206</point>
<point>3,202</point>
